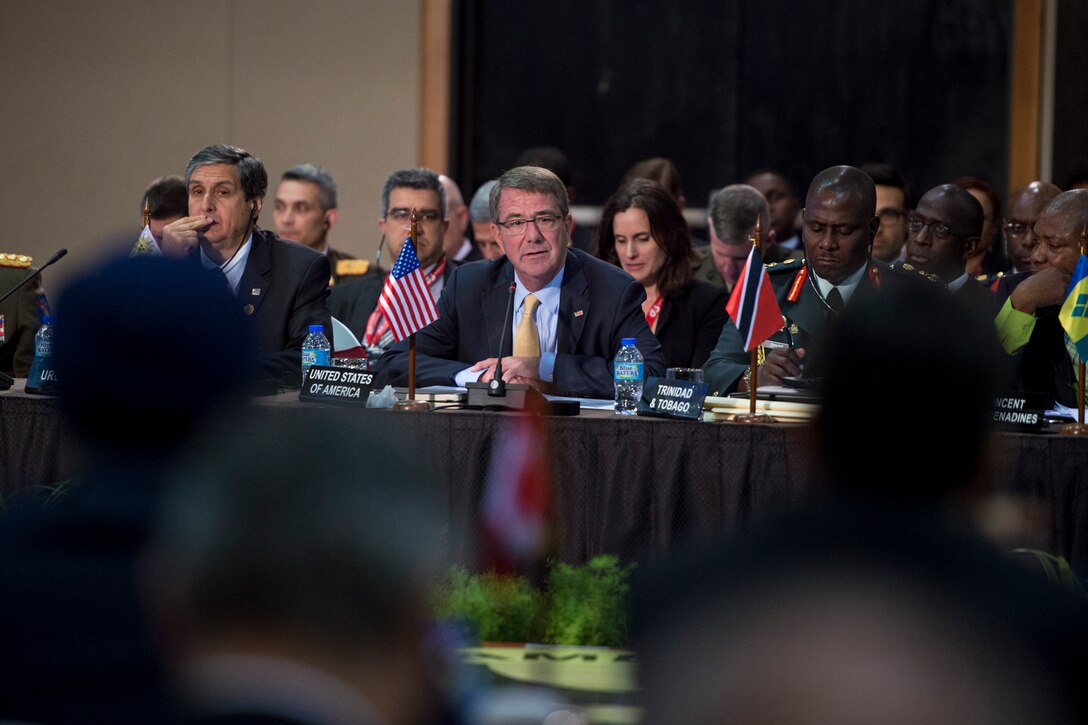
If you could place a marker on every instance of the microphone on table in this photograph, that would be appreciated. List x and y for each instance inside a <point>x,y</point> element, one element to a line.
<point>57,255</point>
<point>497,387</point>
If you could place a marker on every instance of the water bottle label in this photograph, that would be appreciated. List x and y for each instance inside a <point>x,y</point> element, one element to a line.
<point>321,357</point>
<point>43,347</point>
<point>628,371</point>
<point>309,357</point>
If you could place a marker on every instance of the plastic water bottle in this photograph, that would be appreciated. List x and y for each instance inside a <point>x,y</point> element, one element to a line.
<point>315,349</point>
<point>42,377</point>
<point>628,377</point>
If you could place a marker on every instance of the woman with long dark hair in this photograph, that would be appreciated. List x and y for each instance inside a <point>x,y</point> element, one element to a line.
<point>643,231</point>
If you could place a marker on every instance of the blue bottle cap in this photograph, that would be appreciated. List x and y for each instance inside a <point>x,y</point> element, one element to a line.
<point>628,341</point>
<point>317,328</point>
<point>47,320</point>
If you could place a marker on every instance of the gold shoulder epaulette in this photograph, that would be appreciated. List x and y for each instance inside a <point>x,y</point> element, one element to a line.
<point>21,261</point>
<point>350,267</point>
<point>908,267</point>
<point>785,265</point>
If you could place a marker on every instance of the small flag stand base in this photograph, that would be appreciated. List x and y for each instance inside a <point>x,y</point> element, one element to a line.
<point>1075,429</point>
<point>412,405</point>
<point>754,418</point>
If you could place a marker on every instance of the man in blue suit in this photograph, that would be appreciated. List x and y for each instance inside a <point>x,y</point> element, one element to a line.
<point>570,310</point>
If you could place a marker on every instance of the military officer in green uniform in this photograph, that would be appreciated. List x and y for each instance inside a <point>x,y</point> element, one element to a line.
<point>19,316</point>
<point>839,223</point>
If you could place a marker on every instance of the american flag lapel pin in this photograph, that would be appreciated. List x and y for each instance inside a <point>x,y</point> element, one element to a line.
<point>256,291</point>
<point>579,313</point>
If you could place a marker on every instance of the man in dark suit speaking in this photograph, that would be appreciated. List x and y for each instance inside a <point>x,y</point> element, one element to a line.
<point>283,287</point>
<point>570,310</point>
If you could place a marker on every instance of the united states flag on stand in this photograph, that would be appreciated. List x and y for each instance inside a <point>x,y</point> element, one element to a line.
<point>406,301</point>
<point>753,306</point>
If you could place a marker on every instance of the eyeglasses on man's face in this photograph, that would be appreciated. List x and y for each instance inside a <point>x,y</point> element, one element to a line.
<point>1017,228</point>
<point>544,222</point>
<point>938,231</point>
<point>404,216</point>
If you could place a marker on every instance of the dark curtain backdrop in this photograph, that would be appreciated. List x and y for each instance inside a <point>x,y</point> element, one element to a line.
<point>1071,93</point>
<point>726,87</point>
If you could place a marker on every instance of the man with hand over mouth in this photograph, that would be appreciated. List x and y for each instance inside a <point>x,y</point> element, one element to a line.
<point>281,286</point>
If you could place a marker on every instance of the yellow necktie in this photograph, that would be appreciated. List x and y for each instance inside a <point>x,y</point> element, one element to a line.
<point>526,341</point>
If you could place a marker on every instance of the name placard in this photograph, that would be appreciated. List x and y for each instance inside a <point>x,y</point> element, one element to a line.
<point>336,385</point>
<point>673,398</point>
<point>1022,411</point>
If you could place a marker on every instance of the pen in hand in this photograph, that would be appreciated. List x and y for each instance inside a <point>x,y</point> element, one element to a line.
<point>789,334</point>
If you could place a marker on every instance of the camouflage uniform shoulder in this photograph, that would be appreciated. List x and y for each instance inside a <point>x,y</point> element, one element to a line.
<point>17,261</point>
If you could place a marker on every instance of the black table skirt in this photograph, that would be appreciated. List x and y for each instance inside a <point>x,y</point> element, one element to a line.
<point>637,488</point>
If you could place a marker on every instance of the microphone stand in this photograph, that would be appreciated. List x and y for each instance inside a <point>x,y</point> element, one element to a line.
<point>497,387</point>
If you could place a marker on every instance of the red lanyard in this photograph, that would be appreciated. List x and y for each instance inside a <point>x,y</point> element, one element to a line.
<point>654,311</point>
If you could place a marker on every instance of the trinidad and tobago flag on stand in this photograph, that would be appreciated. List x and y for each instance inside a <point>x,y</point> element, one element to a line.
<point>753,306</point>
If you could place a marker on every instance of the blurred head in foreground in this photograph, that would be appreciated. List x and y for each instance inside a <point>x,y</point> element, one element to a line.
<point>826,622</point>
<point>306,546</point>
<point>908,396</point>
<point>146,351</point>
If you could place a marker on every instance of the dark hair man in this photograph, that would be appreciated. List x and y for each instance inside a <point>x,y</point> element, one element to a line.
<point>283,287</point>
<point>355,303</point>
<point>293,585</point>
<point>778,192</point>
<point>306,209</point>
<point>164,201</point>
<point>892,202</point>
<point>942,233</point>
<point>577,307</point>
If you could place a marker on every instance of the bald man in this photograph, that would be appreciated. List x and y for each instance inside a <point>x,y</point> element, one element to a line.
<point>1025,205</point>
<point>942,233</point>
<point>839,223</point>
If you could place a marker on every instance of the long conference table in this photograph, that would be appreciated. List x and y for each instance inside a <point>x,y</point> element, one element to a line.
<point>634,487</point>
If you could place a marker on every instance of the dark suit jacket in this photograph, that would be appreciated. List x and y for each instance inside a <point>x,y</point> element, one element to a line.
<point>285,288</point>
<point>599,304</point>
<point>1043,365</point>
<point>809,313</point>
<point>21,321</point>
<point>979,298</point>
<point>691,321</point>
<point>74,642</point>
